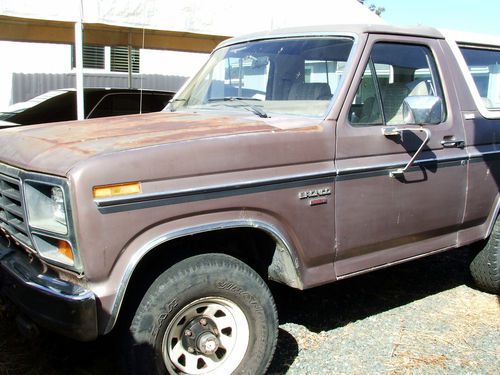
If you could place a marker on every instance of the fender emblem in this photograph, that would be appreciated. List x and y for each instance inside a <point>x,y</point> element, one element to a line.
<point>315,193</point>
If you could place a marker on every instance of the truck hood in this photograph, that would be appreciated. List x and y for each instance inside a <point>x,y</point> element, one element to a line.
<point>55,148</point>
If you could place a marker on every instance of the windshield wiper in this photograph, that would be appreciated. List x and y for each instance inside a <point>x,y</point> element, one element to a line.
<point>249,107</point>
<point>232,98</point>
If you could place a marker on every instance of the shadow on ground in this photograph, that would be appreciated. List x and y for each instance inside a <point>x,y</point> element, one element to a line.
<point>321,309</point>
<point>336,305</point>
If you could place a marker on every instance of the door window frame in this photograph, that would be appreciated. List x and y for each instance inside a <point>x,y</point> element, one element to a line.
<point>434,70</point>
<point>453,124</point>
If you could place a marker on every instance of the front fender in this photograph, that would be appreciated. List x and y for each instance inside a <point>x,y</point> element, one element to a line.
<point>285,267</point>
<point>492,217</point>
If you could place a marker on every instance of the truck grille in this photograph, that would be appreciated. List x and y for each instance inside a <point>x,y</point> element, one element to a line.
<point>12,218</point>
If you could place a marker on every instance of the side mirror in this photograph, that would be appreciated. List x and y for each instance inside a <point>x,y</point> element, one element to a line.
<point>421,110</point>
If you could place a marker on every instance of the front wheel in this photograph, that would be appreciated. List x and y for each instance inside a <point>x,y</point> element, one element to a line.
<point>485,267</point>
<point>209,314</point>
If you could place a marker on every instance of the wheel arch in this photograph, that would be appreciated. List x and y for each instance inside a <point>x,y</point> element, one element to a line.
<point>284,266</point>
<point>493,217</point>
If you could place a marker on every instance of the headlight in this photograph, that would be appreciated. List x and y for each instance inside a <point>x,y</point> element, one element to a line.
<point>58,207</point>
<point>46,207</point>
<point>48,222</point>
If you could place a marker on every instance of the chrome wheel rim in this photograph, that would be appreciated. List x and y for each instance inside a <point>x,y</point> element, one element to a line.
<point>208,336</point>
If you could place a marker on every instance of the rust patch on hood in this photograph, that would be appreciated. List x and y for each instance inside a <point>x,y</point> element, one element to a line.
<point>55,147</point>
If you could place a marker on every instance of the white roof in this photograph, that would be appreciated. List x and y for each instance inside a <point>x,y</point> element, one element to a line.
<point>336,29</point>
<point>217,17</point>
<point>462,37</point>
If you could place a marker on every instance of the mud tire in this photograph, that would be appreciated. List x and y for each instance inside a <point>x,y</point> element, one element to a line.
<point>208,277</point>
<point>485,267</point>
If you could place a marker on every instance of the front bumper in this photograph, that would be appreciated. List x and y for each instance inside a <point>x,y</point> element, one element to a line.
<point>57,305</point>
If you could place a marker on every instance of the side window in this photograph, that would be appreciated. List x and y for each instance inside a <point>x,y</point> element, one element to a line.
<point>366,108</point>
<point>484,66</point>
<point>394,72</point>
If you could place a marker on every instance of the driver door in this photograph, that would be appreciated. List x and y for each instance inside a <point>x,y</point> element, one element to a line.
<point>381,219</point>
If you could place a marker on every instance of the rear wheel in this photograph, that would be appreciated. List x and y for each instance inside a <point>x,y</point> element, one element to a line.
<point>209,314</point>
<point>485,268</point>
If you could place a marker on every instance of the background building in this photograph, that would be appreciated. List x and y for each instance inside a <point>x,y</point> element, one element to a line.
<point>190,25</point>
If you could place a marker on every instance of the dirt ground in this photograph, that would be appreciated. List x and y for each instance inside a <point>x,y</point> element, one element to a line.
<point>423,317</point>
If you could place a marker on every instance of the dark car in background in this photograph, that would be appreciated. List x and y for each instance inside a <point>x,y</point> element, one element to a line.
<point>60,105</point>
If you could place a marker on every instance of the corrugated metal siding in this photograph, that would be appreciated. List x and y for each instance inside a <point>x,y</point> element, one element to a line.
<point>26,86</point>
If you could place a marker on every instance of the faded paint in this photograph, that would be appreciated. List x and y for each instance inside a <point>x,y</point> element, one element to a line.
<point>440,204</point>
<point>56,148</point>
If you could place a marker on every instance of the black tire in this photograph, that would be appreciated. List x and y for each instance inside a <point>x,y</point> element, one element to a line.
<point>485,267</point>
<point>199,296</point>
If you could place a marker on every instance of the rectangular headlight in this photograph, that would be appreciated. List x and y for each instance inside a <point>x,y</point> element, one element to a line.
<point>46,207</point>
<point>49,221</point>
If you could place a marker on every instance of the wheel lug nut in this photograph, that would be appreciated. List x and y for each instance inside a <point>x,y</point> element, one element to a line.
<point>190,350</point>
<point>188,333</point>
<point>203,321</point>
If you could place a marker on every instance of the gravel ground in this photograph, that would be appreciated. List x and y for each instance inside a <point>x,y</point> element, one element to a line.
<point>423,317</point>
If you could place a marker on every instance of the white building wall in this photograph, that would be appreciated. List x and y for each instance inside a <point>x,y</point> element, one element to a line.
<point>33,58</point>
<point>30,58</point>
<point>171,62</point>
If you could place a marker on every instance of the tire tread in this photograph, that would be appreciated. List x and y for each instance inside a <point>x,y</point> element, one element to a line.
<point>485,267</point>
<point>175,279</point>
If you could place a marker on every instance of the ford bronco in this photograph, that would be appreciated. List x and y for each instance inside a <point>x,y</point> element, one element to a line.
<point>302,156</point>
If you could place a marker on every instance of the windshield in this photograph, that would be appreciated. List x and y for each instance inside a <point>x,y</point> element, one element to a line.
<point>295,76</point>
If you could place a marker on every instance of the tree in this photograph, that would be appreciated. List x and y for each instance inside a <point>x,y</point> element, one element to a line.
<point>374,8</point>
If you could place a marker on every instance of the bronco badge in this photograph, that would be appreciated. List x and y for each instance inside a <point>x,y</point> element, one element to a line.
<point>315,193</point>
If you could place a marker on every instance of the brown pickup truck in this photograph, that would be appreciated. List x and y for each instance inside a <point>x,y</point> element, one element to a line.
<point>301,156</point>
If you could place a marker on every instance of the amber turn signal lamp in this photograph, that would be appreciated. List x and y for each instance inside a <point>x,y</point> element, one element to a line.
<point>108,191</point>
<point>64,248</point>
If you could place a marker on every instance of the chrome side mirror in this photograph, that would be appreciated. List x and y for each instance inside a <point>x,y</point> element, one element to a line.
<point>423,109</point>
<point>397,131</point>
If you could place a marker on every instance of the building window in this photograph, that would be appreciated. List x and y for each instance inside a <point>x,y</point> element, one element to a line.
<point>93,57</point>
<point>119,59</point>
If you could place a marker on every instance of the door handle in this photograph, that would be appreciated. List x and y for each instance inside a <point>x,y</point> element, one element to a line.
<point>447,143</point>
<point>393,131</point>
